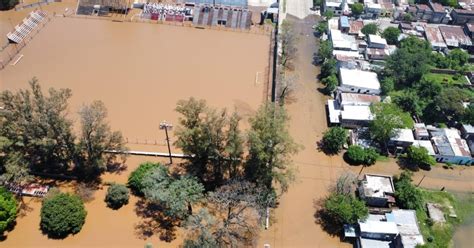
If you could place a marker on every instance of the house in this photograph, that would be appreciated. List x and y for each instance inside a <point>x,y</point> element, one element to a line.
<point>379,230</point>
<point>356,99</point>
<point>407,224</point>
<point>454,36</point>
<point>377,190</point>
<point>375,41</point>
<point>435,38</point>
<point>342,41</point>
<point>351,110</point>
<point>439,13</point>
<point>427,145</point>
<point>402,139</point>
<point>376,54</point>
<point>450,147</point>
<point>334,6</point>
<point>469,29</point>
<point>462,16</point>
<point>421,132</point>
<point>467,132</point>
<point>358,81</point>
<point>344,25</point>
<point>423,12</point>
<point>356,27</point>
<point>372,10</point>
<point>388,8</point>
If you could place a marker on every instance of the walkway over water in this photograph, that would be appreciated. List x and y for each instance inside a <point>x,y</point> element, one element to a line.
<point>153,154</point>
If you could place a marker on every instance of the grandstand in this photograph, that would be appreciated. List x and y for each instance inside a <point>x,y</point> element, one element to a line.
<point>233,3</point>
<point>30,23</point>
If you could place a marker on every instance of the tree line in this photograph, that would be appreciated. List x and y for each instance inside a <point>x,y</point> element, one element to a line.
<point>37,136</point>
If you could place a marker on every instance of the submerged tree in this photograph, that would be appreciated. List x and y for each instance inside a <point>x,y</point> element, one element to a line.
<point>8,210</point>
<point>37,128</point>
<point>96,138</point>
<point>270,148</point>
<point>212,137</point>
<point>288,40</point>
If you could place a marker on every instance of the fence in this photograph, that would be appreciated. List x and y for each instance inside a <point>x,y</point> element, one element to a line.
<point>37,4</point>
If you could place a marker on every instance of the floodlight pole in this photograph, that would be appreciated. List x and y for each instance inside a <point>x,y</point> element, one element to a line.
<point>164,125</point>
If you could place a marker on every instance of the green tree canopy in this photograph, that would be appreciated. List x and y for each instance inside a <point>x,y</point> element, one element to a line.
<point>409,63</point>
<point>391,35</point>
<point>331,83</point>
<point>96,138</point>
<point>409,101</point>
<point>62,214</point>
<point>270,148</point>
<point>117,196</point>
<point>8,210</point>
<point>334,139</point>
<point>419,157</point>
<point>458,58</point>
<point>325,50</point>
<point>328,68</point>
<point>370,28</point>
<point>360,155</point>
<point>357,9</point>
<point>37,127</point>
<point>388,117</point>
<point>345,209</point>
<point>135,180</point>
<point>177,195</point>
<point>406,194</point>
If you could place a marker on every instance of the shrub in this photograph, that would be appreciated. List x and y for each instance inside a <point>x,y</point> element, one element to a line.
<point>408,196</point>
<point>117,196</point>
<point>8,4</point>
<point>418,156</point>
<point>358,155</point>
<point>8,208</point>
<point>345,209</point>
<point>135,180</point>
<point>62,214</point>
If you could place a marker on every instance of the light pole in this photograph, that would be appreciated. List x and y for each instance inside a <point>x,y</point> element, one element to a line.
<point>164,125</point>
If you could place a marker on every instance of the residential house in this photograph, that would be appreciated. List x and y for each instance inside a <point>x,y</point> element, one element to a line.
<point>454,36</point>
<point>377,190</point>
<point>334,6</point>
<point>356,27</point>
<point>372,10</point>
<point>407,223</point>
<point>402,139</point>
<point>462,16</point>
<point>342,41</point>
<point>358,81</point>
<point>388,8</point>
<point>439,13</point>
<point>425,144</point>
<point>376,54</point>
<point>435,38</point>
<point>375,41</point>
<point>423,12</point>
<point>351,110</point>
<point>344,25</point>
<point>450,147</point>
<point>469,29</point>
<point>421,132</point>
<point>467,132</point>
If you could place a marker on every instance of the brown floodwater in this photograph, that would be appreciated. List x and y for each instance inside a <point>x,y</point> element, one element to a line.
<point>139,71</point>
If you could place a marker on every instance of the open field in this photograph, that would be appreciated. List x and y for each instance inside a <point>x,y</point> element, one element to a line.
<point>140,70</point>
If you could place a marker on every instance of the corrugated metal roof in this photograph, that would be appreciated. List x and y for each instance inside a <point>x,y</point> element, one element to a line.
<point>454,36</point>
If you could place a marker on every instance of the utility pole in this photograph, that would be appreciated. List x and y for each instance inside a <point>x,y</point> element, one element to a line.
<point>418,185</point>
<point>164,125</point>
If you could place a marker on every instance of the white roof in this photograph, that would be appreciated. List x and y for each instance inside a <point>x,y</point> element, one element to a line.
<point>377,39</point>
<point>426,144</point>
<point>383,227</point>
<point>374,243</point>
<point>449,142</point>
<point>352,54</point>
<point>333,4</point>
<point>373,5</point>
<point>360,113</point>
<point>334,112</point>
<point>379,184</point>
<point>360,79</point>
<point>408,227</point>
<point>403,135</point>
<point>342,41</point>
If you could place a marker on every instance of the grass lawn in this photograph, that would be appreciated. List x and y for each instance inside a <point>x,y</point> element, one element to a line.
<point>445,78</point>
<point>440,235</point>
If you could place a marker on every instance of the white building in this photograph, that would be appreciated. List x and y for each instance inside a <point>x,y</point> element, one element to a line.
<point>357,81</point>
<point>351,110</point>
<point>375,41</point>
<point>402,139</point>
<point>377,190</point>
<point>342,41</point>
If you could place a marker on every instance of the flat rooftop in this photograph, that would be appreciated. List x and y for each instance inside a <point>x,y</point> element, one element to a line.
<point>378,185</point>
<point>359,78</point>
